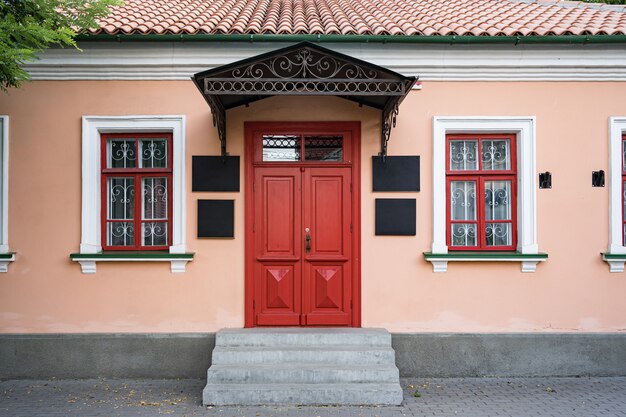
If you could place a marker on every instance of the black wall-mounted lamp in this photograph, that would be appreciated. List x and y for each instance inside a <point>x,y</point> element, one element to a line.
<point>545,180</point>
<point>597,178</point>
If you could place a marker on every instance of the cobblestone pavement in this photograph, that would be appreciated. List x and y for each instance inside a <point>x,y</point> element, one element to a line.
<point>484,397</point>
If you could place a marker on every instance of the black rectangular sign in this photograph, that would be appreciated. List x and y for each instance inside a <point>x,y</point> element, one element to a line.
<point>216,218</point>
<point>395,216</point>
<point>215,173</point>
<point>396,173</point>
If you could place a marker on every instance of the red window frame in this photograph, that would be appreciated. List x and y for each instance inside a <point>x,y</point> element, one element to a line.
<point>481,176</point>
<point>623,189</point>
<point>137,174</point>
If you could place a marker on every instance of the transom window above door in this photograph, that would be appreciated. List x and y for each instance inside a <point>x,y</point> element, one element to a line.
<point>301,147</point>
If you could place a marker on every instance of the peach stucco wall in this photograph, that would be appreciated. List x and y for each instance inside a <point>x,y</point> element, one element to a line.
<point>573,291</point>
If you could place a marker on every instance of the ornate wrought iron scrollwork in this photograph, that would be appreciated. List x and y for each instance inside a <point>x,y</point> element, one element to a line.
<point>389,116</point>
<point>301,70</point>
<point>219,121</point>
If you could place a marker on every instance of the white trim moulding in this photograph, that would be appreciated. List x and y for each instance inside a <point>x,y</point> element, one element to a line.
<point>178,61</point>
<point>527,264</point>
<point>525,129</point>
<point>93,126</point>
<point>88,265</point>
<point>4,194</point>
<point>617,128</point>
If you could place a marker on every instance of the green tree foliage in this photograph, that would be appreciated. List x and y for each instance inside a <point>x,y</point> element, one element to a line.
<point>30,26</point>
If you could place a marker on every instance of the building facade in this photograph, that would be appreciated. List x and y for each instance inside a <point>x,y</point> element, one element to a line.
<point>139,203</point>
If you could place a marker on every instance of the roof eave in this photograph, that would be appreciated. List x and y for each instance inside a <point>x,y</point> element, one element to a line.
<point>453,39</point>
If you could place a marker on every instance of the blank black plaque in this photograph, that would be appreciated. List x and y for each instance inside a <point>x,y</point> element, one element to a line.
<point>216,218</point>
<point>215,173</point>
<point>395,216</point>
<point>397,173</point>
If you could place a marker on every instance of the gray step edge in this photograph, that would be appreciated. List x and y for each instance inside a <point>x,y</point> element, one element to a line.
<point>318,394</point>
<point>298,374</point>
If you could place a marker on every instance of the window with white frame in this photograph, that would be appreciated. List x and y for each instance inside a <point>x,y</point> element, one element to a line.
<point>624,188</point>
<point>513,136</point>
<point>616,254</point>
<point>481,180</point>
<point>5,255</point>
<point>4,165</point>
<point>133,190</point>
<point>137,179</point>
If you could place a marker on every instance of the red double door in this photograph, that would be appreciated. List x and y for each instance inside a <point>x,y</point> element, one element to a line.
<point>302,263</point>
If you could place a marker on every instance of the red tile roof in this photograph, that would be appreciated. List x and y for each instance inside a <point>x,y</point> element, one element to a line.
<point>366,17</point>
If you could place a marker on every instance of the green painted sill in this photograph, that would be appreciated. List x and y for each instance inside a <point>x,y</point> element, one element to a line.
<point>613,256</point>
<point>528,261</point>
<point>458,255</point>
<point>616,261</point>
<point>123,255</point>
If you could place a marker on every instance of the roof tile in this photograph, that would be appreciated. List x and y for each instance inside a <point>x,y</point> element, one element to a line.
<point>366,17</point>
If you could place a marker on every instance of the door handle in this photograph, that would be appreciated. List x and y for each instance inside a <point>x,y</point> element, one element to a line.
<point>307,243</point>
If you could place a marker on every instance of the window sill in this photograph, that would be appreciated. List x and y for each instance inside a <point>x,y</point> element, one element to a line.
<point>5,260</point>
<point>615,260</point>
<point>528,261</point>
<point>87,261</point>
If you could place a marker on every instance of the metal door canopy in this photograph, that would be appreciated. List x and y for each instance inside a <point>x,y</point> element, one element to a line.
<point>303,69</point>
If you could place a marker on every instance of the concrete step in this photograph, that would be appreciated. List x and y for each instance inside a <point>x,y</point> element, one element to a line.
<point>294,336</point>
<point>303,394</point>
<point>335,354</point>
<point>301,374</point>
<point>312,366</point>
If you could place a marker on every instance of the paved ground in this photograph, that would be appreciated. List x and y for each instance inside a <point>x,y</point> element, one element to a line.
<point>484,397</point>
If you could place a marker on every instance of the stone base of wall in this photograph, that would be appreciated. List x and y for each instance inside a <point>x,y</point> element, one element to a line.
<point>123,355</point>
<point>188,355</point>
<point>510,354</point>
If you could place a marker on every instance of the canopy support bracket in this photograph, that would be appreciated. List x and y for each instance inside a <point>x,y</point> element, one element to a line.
<point>388,122</point>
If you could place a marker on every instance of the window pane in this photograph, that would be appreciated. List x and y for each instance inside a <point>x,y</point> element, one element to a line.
<point>153,153</point>
<point>281,148</point>
<point>323,148</point>
<point>121,198</point>
<point>120,234</point>
<point>624,155</point>
<point>154,198</point>
<point>121,153</point>
<point>497,200</point>
<point>496,154</point>
<point>624,199</point>
<point>463,200</point>
<point>463,155</point>
<point>498,234</point>
<point>463,234</point>
<point>154,234</point>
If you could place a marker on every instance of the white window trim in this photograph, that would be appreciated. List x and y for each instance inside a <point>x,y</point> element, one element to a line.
<point>93,127</point>
<point>4,202</point>
<point>617,127</point>
<point>524,127</point>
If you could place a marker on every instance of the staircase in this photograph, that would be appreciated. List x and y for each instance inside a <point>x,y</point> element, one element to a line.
<point>303,366</point>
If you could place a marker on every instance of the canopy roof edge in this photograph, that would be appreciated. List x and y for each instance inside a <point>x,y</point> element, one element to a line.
<point>303,69</point>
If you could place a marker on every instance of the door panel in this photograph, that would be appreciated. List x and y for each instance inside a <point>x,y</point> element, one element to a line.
<point>277,266</point>
<point>327,266</point>
<point>279,294</point>
<point>279,210</point>
<point>325,206</point>
<point>329,295</point>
